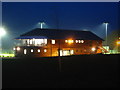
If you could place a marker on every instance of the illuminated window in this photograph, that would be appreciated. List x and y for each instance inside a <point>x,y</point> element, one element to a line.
<point>30,41</point>
<point>82,41</point>
<point>72,51</point>
<point>25,51</point>
<point>38,41</point>
<point>66,41</point>
<point>53,41</point>
<point>38,50</point>
<point>77,41</point>
<point>70,41</point>
<point>45,41</point>
<point>45,50</point>
<point>31,50</point>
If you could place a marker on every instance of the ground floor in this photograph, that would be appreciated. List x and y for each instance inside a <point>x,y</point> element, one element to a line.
<point>48,52</point>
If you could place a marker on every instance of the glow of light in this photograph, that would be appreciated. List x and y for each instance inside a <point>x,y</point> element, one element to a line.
<point>31,50</point>
<point>2,31</point>
<point>77,41</point>
<point>70,41</point>
<point>53,41</point>
<point>25,51</point>
<point>31,41</point>
<point>45,41</point>
<point>18,48</point>
<point>72,51</point>
<point>45,50</point>
<point>41,24</point>
<point>38,50</point>
<point>14,48</point>
<point>66,41</point>
<point>7,55</point>
<point>82,41</point>
<point>61,53</point>
<point>118,42</point>
<point>93,49</point>
<point>65,53</point>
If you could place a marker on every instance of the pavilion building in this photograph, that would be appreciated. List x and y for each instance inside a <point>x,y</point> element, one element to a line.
<point>57,42</point>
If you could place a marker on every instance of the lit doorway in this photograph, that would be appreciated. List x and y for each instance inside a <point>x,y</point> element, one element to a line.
<point>66,52</point>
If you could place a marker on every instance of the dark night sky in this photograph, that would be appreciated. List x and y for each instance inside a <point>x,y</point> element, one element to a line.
<point>22,17</point>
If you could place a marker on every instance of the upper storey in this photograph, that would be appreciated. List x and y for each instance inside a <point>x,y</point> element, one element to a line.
<point>59,34</point>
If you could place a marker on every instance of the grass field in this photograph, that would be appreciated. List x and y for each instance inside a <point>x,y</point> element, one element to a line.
<point>85,71</point>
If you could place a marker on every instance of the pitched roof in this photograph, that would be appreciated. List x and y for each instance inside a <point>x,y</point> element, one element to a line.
<point>60,34</point>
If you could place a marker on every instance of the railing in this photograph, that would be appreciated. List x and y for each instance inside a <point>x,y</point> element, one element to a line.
<point>104,50</point>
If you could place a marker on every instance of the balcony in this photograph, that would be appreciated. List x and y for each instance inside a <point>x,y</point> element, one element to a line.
<point>33,42</point>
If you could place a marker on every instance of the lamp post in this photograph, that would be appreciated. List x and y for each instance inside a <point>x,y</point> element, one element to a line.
<point>106,27</point>
<point>41,24</point>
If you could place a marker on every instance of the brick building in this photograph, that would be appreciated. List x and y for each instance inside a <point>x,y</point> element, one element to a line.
<point>55,42</point>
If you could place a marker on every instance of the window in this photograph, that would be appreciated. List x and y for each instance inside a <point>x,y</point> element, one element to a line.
<point>82,41</point>
<point>31,50</point>
<point>79,41</point>
<point>72,52</point>
<point>66,41</point>
<point>53,41</point>
<point>36,42</point>
<point>69,41</point>
<point>25,51</point>
<point>45,50</point>
<point>31,41</point>
<point>40,41</point>
<point>38,50</point>
<point>45,41</point>
<point>28,42</point>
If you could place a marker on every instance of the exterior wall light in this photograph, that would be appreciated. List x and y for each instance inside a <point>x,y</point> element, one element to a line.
<point>93,49</point>
<point>118,42</point>
<point>14,48</point>
<point>70,41</point>
<point>18,48</point>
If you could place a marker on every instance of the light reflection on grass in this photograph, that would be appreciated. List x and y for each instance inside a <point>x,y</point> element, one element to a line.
<point>7,55</point>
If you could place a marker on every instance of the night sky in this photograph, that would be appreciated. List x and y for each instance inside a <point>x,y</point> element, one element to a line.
<point>19,18</point>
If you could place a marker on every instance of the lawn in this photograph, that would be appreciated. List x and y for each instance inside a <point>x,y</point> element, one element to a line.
<point>85,71</point>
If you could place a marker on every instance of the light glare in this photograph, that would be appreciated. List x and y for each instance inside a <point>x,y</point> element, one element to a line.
<point>2,31</point>
<point>93,49</point>
<point>18,48</point>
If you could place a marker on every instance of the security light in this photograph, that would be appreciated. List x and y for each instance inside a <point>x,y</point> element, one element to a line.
<point>18,48</point>
<point>93,49</point>
<point>2,31</point>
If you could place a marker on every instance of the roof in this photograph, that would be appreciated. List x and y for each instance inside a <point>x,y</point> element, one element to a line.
<point>30,37</point>
<point>59,34</point>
